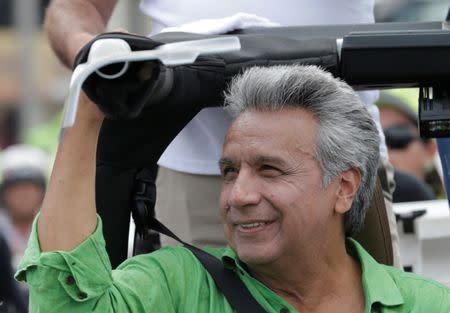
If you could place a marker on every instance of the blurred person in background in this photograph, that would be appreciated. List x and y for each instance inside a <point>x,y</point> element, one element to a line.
<point>410,188</point>
<point>24,172</point>
<point>408,152</point>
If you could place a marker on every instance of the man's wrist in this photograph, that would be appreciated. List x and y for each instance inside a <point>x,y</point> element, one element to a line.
<point>88,114</point>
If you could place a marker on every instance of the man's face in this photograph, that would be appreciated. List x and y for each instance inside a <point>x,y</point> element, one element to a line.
<point>272,201</point>
<point>23,200</point>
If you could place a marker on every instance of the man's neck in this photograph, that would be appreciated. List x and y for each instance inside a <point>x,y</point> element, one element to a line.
<point>329,282</point>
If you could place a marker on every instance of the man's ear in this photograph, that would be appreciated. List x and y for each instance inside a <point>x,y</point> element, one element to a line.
<point>349,182</point>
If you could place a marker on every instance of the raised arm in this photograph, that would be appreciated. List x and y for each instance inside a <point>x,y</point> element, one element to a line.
<point>66,266</point>
<point>68,214</point>
<point>70,24</point>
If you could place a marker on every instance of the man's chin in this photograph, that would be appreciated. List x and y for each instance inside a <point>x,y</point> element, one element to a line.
<point>255,255</point>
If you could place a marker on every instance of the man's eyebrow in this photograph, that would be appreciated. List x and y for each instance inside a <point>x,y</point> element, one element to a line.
<point>225,162</point>
<point>261,159</point>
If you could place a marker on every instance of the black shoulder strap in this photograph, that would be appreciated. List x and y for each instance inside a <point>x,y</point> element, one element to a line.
<point>226,280</point>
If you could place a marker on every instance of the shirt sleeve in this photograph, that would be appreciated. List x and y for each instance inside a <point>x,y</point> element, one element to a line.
<point>82,280</point>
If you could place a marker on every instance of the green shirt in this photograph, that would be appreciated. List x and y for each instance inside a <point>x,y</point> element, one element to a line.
<point>172,280</point>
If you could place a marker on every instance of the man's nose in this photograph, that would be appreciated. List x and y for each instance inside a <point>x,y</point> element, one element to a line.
<point>245,190</point>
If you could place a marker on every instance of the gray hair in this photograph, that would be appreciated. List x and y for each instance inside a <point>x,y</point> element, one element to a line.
<point>347,137</point>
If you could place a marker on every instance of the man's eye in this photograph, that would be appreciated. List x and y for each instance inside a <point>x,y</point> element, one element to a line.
<point>229,172</point>
<point>270,170</point>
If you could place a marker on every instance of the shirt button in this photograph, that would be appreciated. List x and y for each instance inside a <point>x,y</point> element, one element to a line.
<point>70,280</point>
<point>82,295</point>
<point>284,310</point>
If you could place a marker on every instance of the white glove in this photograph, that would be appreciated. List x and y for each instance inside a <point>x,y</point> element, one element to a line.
<point>222,25</point>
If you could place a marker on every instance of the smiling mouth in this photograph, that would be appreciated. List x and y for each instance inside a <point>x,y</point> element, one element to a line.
<point>252,226</point>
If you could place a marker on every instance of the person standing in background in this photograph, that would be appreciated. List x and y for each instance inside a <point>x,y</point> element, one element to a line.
<point>24,172</point>
<point>408,152</point>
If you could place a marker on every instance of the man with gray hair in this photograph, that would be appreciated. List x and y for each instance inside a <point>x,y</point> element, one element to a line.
<point>299,164</point>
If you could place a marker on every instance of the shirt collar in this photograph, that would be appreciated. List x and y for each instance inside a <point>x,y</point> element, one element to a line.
<point>377,283</point>
<point>231,260</point>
